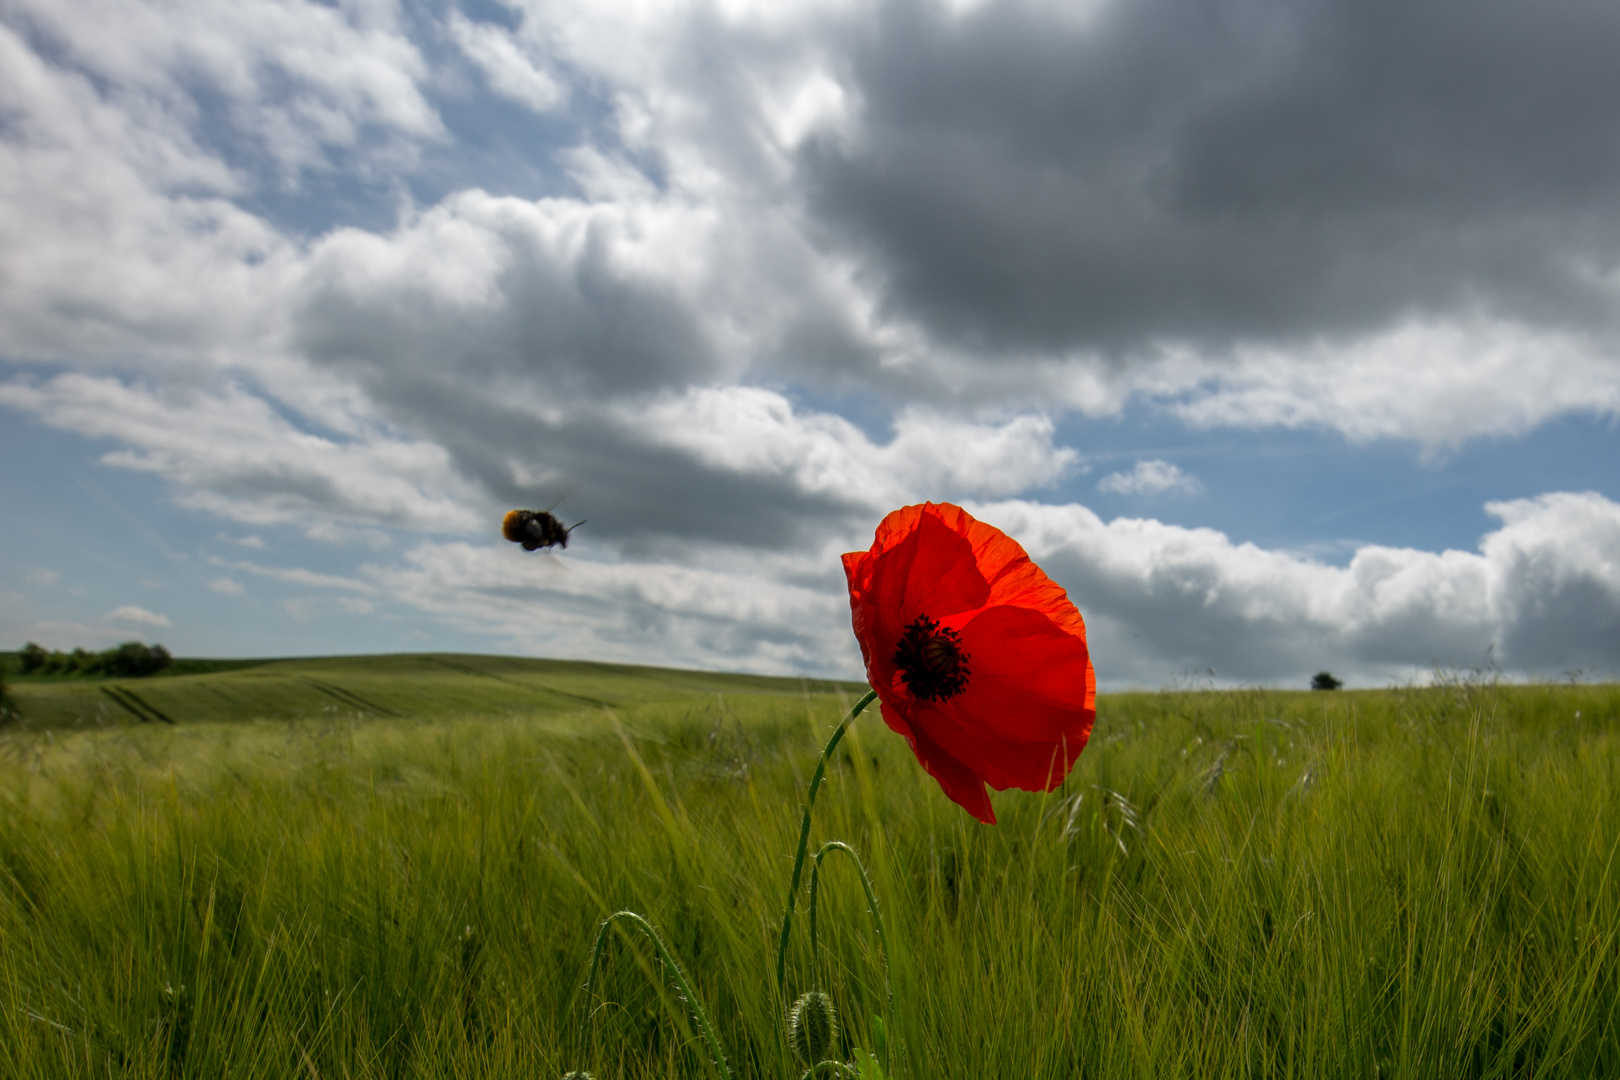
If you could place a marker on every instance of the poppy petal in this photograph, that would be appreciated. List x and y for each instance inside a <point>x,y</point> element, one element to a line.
<point>1027,713</point>
<point>1037,677</point>
<point>1020,700</point>
<point>929,569</point>
<point>959,782</point>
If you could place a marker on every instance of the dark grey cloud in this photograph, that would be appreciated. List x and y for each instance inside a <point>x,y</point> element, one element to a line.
<point>1227,171</point>
<point>1563,621</point>
<point>640,495</point>
<point>567,322</point>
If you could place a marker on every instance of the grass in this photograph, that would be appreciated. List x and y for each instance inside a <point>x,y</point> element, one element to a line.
<point>1404,883</point>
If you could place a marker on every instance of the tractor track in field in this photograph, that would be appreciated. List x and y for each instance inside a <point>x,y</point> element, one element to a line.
<point>348,697</point>
<point>133,704</point>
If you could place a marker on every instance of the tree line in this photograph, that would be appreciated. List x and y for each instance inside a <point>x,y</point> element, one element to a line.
<point>131,660</point>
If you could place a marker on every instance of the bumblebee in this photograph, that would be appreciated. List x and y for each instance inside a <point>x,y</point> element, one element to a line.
<point>536,529</point>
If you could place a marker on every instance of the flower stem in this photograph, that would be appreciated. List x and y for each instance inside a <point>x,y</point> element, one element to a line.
<point>804,840</point>
<point>668,958</point>
<point>871,903</point>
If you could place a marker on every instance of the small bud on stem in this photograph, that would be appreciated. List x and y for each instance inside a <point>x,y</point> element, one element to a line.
<point>812,1027</point>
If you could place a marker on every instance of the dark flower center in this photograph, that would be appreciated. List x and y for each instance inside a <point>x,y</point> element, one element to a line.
<point>931,660</point>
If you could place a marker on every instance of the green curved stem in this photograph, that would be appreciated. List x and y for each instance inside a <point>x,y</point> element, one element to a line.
<point>680,981</point>
<point>829,1066</point>
<point>804,839</point>
<point>871,902</point>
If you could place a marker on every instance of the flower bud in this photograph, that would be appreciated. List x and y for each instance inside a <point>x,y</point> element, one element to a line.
<point>812,1027</point>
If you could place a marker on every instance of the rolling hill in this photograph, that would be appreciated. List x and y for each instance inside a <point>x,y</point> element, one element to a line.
<point>417,685</point>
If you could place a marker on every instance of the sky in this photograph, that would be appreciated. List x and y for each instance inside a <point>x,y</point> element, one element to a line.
<point>1284,335</point>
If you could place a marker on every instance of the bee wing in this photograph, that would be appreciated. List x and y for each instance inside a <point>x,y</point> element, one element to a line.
<point>557,564</point>
<point>567,489</point>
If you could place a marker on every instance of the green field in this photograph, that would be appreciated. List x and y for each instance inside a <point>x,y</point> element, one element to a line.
<point>408,686</point>
<point>394,867</point>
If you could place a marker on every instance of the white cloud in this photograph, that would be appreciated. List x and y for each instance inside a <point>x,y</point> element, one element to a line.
<point>226,586</point>
<point>1541,594</point>
<point>1151,478</point>
<point>759,432</point>
<point>937,453</point>
<point>116,230</point>
<point>129,613</point>
<point>1431,382</point>
<point>294,575</point>
<point>300,77</point>
<point>511,71</point>
<point>233,454</point>
<point>306,609</point>
<point>41,576</point>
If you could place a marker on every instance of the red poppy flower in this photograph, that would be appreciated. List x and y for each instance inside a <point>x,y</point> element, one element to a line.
<point>978,658</point>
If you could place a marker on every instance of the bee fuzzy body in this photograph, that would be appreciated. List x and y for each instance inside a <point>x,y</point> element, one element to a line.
<point>536,529</point>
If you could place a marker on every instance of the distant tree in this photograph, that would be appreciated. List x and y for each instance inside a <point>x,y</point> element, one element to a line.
<point>134,659</point>
<point>33,658</point>
<point>131,660</point>
<point>1324,680</point>
<point>8,708</point>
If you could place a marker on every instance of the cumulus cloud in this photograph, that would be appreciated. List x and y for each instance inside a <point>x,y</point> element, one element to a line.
<point>1151,478</point>
<point>117,233</point>
<point>301,78</point>
<point>227,586</point>
<point>1540,595</point>
<point>138,616</point>
<point>758,432</point>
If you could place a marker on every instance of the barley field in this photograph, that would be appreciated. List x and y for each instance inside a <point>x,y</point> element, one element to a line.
<point>396,867</point>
